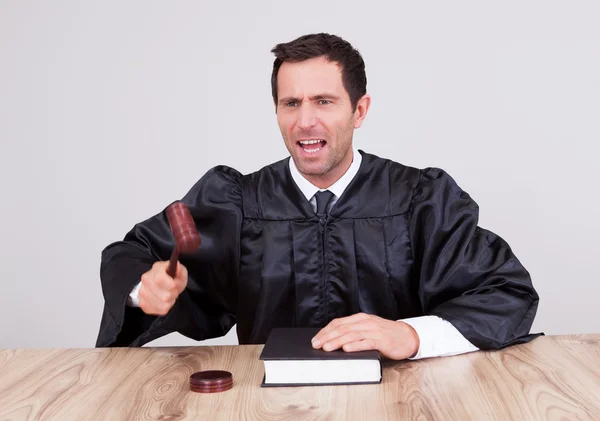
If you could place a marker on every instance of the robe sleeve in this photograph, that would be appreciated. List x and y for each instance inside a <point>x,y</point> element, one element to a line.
<point>467,275</point>
<point>207,307</point>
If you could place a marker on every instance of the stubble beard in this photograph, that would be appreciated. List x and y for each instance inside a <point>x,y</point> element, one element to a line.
<point>322,169</point>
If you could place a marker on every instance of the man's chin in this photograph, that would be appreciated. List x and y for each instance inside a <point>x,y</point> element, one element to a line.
<point>313,168</point>
<point>312,171</point>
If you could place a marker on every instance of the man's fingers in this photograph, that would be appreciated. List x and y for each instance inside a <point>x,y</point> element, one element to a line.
<point>329,331</point>
<point>363,324</point>
<point>178,282</point>
<point>356,340</point>
<point>164,282</point>
<point>154,297</point>
<point>181,277</point>
<point>151,303</point>
<point>339,341</point>
<point>159,291</point>
<point>160,266</point>
<point>362,345</point>
<point>181,272</point>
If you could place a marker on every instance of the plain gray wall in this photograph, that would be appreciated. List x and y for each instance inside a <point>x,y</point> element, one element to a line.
<point>110,110</point>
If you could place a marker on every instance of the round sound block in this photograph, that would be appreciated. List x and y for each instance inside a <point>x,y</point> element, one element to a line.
<point>211,381</point>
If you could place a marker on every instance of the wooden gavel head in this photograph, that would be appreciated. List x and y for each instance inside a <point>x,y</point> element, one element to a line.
<point>187,239</point>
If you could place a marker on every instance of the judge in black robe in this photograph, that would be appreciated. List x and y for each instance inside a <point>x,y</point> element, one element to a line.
<point>399,243</point>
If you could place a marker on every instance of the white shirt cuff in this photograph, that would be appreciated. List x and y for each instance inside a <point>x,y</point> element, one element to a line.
<point>133,300</point>
<point>438,338</point>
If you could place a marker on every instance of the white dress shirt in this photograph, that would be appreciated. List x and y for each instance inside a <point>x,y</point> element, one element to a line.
<point>437,337</point>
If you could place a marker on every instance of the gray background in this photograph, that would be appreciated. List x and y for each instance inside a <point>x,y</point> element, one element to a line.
<point>110,110</point>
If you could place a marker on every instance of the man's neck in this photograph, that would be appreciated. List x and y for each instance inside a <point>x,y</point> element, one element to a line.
<point>337,187</point>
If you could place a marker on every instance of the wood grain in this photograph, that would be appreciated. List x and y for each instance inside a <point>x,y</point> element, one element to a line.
<point>551,378</point>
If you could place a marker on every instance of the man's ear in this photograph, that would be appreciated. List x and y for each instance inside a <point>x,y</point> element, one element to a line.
<point>362,108</point>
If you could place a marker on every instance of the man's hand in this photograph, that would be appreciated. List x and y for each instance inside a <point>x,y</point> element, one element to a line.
<point>395,340</point>
<point>159,291</point>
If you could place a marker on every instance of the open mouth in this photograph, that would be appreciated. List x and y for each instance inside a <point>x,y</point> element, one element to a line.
<point>312,146</point>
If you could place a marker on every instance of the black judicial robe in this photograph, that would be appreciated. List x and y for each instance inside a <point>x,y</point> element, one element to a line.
<point>400,242</point>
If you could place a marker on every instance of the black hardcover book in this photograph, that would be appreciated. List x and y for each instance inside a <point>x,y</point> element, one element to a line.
<point>290,360</point>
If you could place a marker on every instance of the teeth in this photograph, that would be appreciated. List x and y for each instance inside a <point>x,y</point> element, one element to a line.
<point>312,150</point>
<point>310,142</point>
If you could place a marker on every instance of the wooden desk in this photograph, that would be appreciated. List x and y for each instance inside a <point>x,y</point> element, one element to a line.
<point>552,378</point>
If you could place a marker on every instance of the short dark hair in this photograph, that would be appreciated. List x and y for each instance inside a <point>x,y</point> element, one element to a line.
<point>334,49</point>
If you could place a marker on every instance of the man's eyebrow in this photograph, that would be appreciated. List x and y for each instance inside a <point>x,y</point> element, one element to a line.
<point>312,98</point>
<point>324,96</point>
<point>288,99</point>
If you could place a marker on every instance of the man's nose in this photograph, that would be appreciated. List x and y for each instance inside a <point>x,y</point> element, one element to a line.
<point>307,117</point>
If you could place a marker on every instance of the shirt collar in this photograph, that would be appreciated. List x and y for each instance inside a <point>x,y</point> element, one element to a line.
<point>337,188</point>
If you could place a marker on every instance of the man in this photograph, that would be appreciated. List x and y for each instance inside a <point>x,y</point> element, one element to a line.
<point>377,254</point>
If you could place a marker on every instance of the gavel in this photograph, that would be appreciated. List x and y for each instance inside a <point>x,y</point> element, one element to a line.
<point>187,239</point>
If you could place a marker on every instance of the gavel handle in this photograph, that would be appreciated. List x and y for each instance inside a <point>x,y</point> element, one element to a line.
<point>173,262</point>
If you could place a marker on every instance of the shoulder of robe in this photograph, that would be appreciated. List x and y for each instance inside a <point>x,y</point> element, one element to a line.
<point>437,185</point>
<point>220,188</point>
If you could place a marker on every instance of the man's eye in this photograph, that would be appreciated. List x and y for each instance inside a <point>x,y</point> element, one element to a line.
<point>291,104</point>
<point>324,101</point>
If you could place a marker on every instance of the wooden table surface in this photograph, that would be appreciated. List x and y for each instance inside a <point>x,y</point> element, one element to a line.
<point>551,378</point>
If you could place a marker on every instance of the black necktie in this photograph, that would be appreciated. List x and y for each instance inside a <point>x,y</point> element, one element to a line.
<point>323,199</point>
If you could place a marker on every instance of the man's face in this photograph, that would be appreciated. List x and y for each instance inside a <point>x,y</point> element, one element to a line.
<point>316,120</point>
